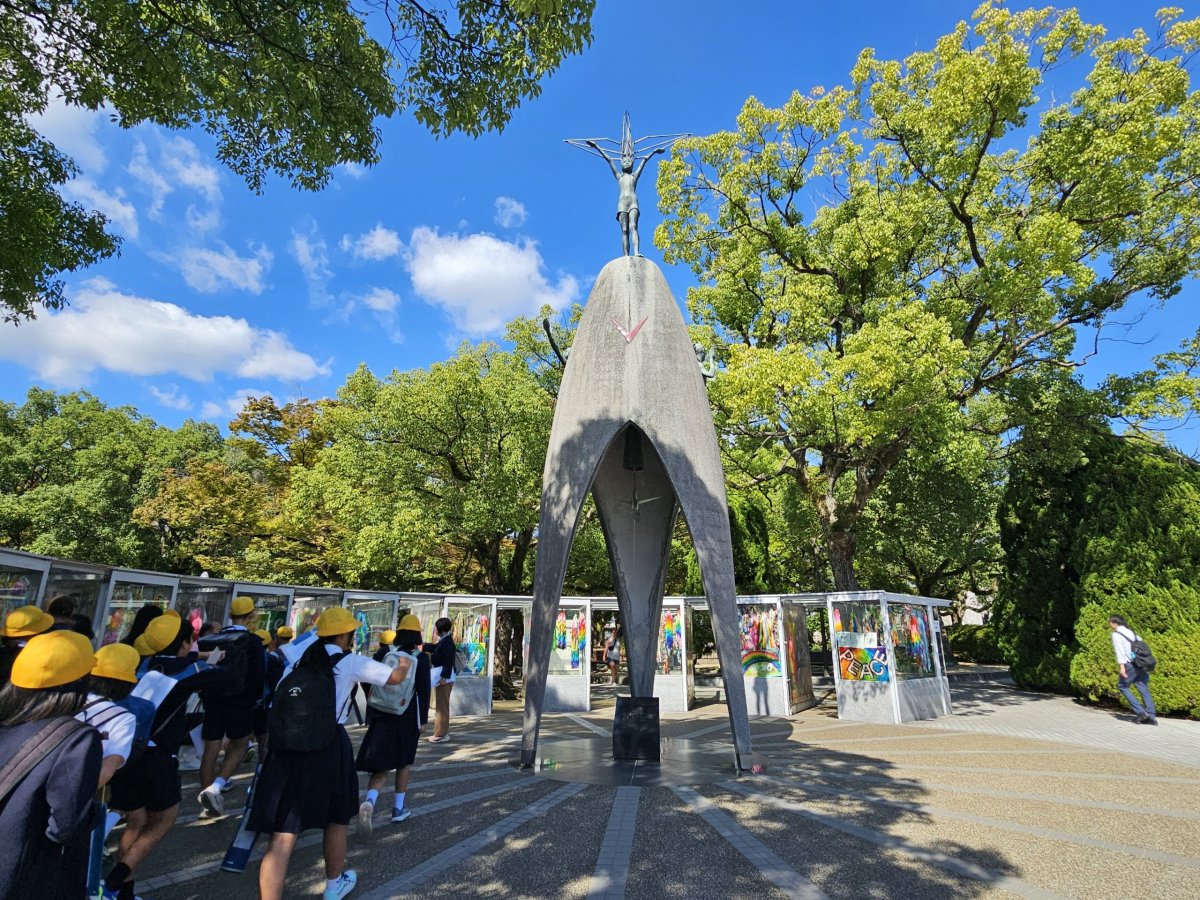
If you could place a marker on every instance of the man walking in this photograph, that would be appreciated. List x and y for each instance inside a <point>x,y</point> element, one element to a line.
<point>1131,676</point>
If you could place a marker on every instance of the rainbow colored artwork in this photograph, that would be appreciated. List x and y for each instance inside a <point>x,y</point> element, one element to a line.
<point>760,641</point>
<point>569,648</point>
<point>863,664</point>
<point>670,642</point>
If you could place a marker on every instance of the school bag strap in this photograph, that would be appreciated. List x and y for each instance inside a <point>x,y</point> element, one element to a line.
<point>37,747</point>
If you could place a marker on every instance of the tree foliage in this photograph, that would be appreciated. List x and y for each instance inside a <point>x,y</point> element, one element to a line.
<point>290,89</point>
<point>962,227</point>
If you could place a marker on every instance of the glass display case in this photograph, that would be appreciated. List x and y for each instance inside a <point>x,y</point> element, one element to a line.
<point>569,645</point>
<point>760,640</point>
<point>272,603</point>
<point>128,591</point>
<point>471,626</point>
<point>375,612</point>
<point>82,582</point>
<point>307,605</point>
<point>200,600</point>
<point>22,578</point>
<point>428,608</point>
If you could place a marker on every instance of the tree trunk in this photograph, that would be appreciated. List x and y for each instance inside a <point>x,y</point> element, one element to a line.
<point>842,544</point>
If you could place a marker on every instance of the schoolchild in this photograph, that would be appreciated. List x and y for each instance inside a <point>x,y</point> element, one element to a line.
<point>229,717</point>
<point>19,626</point>
<point>308,779</point>
<point>386,640</point>
<point>148,790</point>
<point>112,678</point>
<point>141,620</point>
<point>395,718</point>
<point>264,703</point>
<point>46,819</point>
<point>443,677</point>
<point>283,636</point>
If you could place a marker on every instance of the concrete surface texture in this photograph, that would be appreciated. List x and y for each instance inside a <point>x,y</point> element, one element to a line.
<point>846,810</point>
<point>632,387</point>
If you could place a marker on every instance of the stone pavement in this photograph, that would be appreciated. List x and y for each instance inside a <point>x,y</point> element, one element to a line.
<point>846,810</point>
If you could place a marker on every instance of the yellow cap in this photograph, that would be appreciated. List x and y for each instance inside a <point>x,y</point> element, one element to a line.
<point>264,636</point>
<point>387,637</point>
<point>26,622</point>
<point>241,606</point>
<point>410,623</point>
<point>161,631</point>
<point>283,631</point>
<point>119,661</point>
<point>173,613</point>
<point>53,659</point>
<point>336,620</point>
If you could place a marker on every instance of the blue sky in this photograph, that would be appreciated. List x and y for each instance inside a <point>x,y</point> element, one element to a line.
<point>220,293</point>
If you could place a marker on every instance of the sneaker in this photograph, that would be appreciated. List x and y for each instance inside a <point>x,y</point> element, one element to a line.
<point>1150,720</point>
<point>399,815</point>
<point>366,813</point>
<point>343,886</point>
<point>249,757</point>
<point>439,740</point>
<point>212,801</point>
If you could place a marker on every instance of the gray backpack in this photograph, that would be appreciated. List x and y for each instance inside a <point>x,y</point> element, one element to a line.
<point>395,698</point>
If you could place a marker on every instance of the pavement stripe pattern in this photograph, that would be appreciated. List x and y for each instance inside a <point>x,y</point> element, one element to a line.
<point>932,857</point>
<point>774,869</point>
<point>452,856</point>
<point>612,866</point>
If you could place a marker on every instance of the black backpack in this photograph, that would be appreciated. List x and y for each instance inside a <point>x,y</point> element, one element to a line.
<point>303,715</point>
<point>236,647</point>
<point>1143,656</point>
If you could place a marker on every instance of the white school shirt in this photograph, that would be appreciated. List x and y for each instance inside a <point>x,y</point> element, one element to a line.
<point>349,671</point>
<point>116,729</point>
<point>1122,641</point>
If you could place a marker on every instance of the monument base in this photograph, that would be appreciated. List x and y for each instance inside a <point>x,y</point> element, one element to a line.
<point>635,729</point>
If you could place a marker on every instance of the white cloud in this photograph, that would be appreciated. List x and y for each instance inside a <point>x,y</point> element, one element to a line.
<point>376,244</point>
<point>208,271</point>
<point>170,396</point>
<point>72,129</point>
<point>106,329</point>
<point>381,300</point>
<point>481,281</point>
<point>179,165</point>
<point>311,254</point>
<point>354,170</point>
<point>510,213</point>
<point>231,405</point>
<point>113,205</point>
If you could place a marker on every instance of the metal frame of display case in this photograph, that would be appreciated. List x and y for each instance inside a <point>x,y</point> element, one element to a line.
<point>903,699</point>
<point>27,562</point>
<point>472,694</point>
<point>135,577</point>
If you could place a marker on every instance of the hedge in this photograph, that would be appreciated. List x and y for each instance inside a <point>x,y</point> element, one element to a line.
<point>974,643</point>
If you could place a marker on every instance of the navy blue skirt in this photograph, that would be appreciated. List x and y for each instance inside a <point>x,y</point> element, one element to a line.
<point>390,742</point>
<point>299,791</point>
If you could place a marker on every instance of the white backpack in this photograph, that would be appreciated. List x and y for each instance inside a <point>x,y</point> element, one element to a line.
<point>394,698</point>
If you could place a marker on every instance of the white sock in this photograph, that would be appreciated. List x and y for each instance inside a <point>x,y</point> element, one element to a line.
<point>331,883</point>
<point>398,803</point>
<point>218,782</point>
<point>110,822</point>
<point>372,796</point>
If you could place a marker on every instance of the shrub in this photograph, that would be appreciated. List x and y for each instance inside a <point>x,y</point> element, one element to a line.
<point>974,643</point>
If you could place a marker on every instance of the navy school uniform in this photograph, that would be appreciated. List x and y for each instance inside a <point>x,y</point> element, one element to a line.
<point>152,781</point>
<point>298,791</point>
<point>391,740</point>
<point>47,820</point>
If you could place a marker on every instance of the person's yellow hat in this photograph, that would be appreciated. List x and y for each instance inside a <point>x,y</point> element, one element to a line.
<point>283,631</point>
<point>409,623</point>
<point>53,659</point>
<point>174,614</point>
<point>241,606</point>
<point>336,620</point>
<point>264,636</point>
<point>387,637</point>
<point>119,661</point>
<point>26,621</point>
<point>161,631</point>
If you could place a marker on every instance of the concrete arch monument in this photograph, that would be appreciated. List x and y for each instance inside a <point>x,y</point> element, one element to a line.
<point>634,427</point>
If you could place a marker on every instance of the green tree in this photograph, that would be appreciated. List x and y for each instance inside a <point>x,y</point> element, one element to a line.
<point>966,222</point>
<point>286,88</point>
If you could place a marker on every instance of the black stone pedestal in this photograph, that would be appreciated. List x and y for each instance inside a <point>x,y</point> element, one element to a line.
<point>635,729</point>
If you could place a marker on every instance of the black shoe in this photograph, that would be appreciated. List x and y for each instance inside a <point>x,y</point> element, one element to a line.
<point>1150,720</point>
<point>1142,718</point>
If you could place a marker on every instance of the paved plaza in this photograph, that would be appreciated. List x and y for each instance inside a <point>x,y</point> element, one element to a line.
<point>981,805</point>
